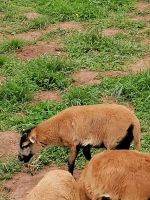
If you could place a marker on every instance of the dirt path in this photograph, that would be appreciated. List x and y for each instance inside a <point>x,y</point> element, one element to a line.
<point>47,95</point>
<point>9,143</point>
<point>32,35</point>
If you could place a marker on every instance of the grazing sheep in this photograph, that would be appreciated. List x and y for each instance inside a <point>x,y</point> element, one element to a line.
<point>116,175</point>
<point>104,125</point>
<point>56,185</point>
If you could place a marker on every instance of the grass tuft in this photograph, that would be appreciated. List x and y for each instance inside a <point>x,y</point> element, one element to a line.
<point>81,96</point>
<point>7,168</point>
<point>38,23</point>
<point>93,50</point>
<point>11,45</point>
<point>17,90</point>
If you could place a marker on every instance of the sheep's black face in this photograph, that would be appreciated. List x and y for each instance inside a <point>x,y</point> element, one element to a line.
<point>29,145</point>
<point>25,152</point>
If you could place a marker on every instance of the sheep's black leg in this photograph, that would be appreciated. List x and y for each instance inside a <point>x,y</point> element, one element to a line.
<point>74,150</point>
<point>126,141</point>
<point>86,152</point>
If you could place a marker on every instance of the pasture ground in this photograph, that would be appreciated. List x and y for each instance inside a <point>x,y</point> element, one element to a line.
<point>59,53</point>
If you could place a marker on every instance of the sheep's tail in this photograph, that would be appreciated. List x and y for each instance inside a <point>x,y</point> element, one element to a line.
<point>137,135</point>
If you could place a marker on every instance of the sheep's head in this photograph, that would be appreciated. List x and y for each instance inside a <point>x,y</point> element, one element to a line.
<point>29,144</point>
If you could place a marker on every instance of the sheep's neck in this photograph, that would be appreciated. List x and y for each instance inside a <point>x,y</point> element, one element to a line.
<point>48,132</point>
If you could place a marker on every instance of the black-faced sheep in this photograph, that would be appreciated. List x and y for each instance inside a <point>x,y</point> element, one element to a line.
<point>110,126</point>
<point>116,175</point>
<point>56,185</point>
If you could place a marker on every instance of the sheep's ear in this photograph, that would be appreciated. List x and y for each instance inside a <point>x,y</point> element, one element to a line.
<point>32,138</point>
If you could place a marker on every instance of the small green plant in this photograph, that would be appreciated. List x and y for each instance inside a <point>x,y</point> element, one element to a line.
<point>7,168</point>
<point>81,96</point>
<point>11,45</point>
<point>38,23</point>
<point>17,90</point>
<point>51,80</point>
<point>49,72</point>
<point>96,51</point>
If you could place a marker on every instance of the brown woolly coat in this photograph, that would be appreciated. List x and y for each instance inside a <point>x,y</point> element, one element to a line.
<point>120,175</point>
<point>92,124</point>
<point>56,185</point>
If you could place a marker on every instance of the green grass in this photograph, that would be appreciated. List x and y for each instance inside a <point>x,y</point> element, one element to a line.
<point>96,51</point>
<point>7,168</point>
<point>14,19</point>
<point>86,48</point>
<point>16,90</point>
<point>11,45</point>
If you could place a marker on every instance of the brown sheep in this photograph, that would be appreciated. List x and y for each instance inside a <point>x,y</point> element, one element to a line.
<point>116,175</point>
<point>104,125</point>
<point>56,185</point>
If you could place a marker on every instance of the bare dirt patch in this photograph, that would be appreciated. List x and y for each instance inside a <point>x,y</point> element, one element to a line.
<point>142,6</point>
<point>1,37</point>
<point>70,25</point>
<point>32,15</point>
<point>44,47</point>
<point>33,35</point>
<point>112,73</point>
<point>110,31</point>
<point>109,99</point>
<point>142,17</point>
<point>22,183</point>
<point>9,143</point>
<point>112,99</point>
<point>2,14</point>
<point>2,80</point>
<point>47,95</point>
<point>84,77</point>
<point>141,64</point>
<point>129,105</point>
<point>146,41</point>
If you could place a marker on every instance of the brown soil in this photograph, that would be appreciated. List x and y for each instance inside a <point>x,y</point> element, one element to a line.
<point>1,37</point>
<point>49,47</point>
<point>32,35</point>
<point>32,15</point>
<point>9,143</point>
<point>47,95</point>
<point>22,183</point>
<point>129,105</point>
<point>70,25</point>
<point>110,32</point>
<point>112,73</point>
<point>146,41</point>
<point>2,80</point>
<point>111,99</point>
<point>144,17</point>
<point>2,14</point>
<point>141,64</point>
<point>142,6</point>
<point>84,77</point>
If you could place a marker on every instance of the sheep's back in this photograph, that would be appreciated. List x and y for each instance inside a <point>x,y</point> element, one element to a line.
<point>117,173</point>
<point>56,184</point>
